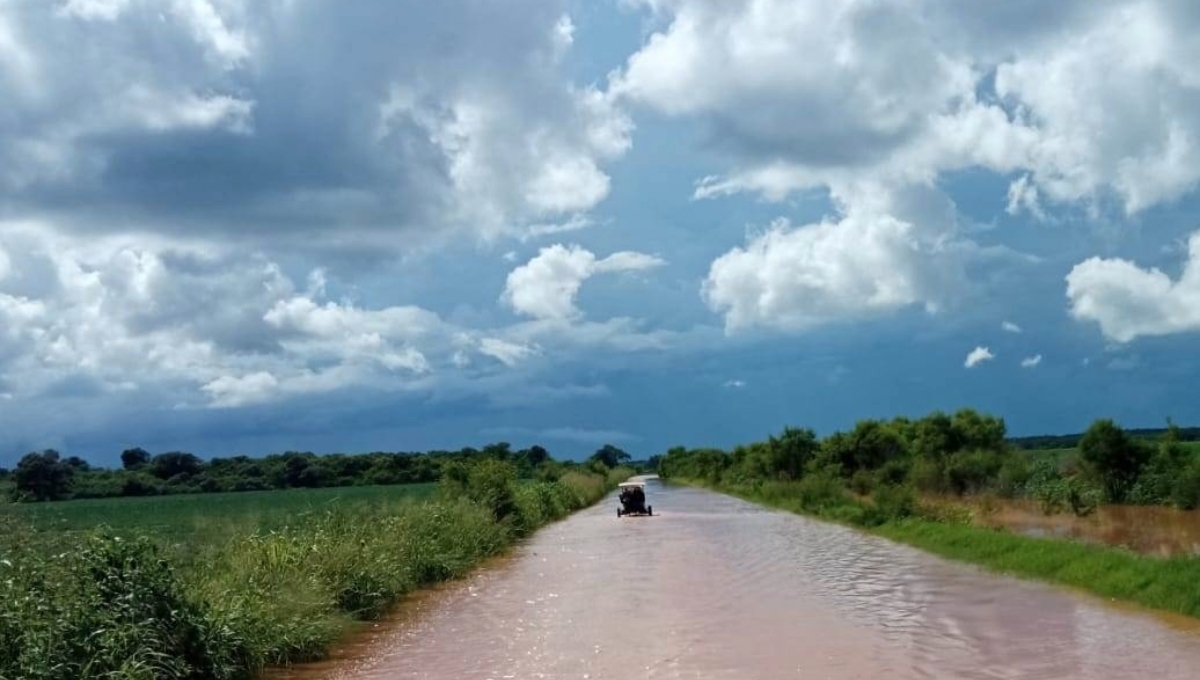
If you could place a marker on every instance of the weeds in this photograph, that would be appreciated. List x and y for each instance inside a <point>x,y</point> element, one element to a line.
<point>122,606</point>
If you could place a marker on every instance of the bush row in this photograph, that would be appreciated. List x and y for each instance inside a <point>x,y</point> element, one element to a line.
<point>118,607</point>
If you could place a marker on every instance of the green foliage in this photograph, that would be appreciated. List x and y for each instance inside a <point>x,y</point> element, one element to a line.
<point>1013,476</point>
<point>1113,457</point>
<point>973,470</point>
<point>889,503</point>
<point>179,472</point>
<point>1167,584</point>
<point>230,594</point>
<point>609,456</point>
<point>111,609</point>
<point>135,458</point>
<point>43,477</point>
<point>490,484</point>
<point>961,453</point>
<point>1185,492</point>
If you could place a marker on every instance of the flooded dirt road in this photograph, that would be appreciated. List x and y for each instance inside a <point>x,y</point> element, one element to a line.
<point>713,587</point>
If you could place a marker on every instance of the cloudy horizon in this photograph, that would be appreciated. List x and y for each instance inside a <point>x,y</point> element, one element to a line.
<point>247,227</point>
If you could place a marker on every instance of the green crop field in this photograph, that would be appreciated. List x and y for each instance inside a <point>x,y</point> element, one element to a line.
<point>1060,455</point>
<point>181,517</point>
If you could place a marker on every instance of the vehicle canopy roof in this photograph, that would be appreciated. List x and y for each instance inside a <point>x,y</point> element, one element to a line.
<point>624,485</point>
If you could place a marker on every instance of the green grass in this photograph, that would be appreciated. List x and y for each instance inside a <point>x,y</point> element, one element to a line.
<point>219,586</point>
<point>1056,456</point>
<point>1060,455</point>
<point>179,517</point>
<point>1165,584</point>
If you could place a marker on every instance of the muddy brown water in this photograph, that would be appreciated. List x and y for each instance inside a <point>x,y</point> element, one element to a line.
<point>713,587</point>
<point>1150,530</point>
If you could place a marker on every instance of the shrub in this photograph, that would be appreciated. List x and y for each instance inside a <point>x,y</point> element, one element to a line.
<point>890,502</point>
<point>821,490</point>
<point>862,482</point>
<point>972,471</point>
<point>1185,492</point>
<point>928,475</point>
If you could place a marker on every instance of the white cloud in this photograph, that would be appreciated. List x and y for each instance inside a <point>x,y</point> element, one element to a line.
<point>735,383</point>
<point>545,287</point>
<point>978,356</point>
<point>887,251</point>
<point>173,317</point>
<point>1087,99</point>
<point>230,391</point>
<point>1130,302</point>
<point>1030,362</point>
<point>444,120</point>
<point>1010,327</point>
<point>1113,105</point>
<point>508,353</point>
<point>877,93</point>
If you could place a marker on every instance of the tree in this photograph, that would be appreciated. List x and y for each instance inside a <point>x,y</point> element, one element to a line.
<point>977,431</point>
<point>610,456</point>
<point>168,465</point>
<point>791,451</point>
<point>135,458</point>
<point>1113,457</point>
<point>498,450</point>
<point>536,455</point>
<point>43,477</point>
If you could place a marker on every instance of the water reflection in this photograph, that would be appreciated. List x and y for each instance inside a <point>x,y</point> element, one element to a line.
<point>712,587</point>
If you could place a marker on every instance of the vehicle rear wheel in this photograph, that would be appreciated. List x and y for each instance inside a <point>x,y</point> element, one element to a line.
<point>618,512</point>
<point>650,510</point>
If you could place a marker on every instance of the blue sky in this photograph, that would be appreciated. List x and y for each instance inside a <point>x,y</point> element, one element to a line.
<point>241,227</point>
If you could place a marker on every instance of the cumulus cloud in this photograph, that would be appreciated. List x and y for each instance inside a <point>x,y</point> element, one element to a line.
<point>978,356</point>
<point>166,316</point>
<point>545,287</point>
<point>209,327</point>
<point>238,114</point>
<point>1010,327</point>
<point>887,251</point>
<point>735,384</point>
<point>1084,99</point>
<point>1128,301</point>
<point>1030,362</point>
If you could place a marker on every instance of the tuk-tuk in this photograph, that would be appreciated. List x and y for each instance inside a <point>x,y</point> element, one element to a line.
<point>633,500</point>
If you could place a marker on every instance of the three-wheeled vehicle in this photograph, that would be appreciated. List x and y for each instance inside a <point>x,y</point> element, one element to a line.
<point>633,500</point>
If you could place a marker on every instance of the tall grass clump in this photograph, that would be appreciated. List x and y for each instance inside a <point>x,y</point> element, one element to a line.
<point>112,609</point>
<point>129,607</point>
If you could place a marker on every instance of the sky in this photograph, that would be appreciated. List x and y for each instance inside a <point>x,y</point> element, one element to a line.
<point>250,226</point>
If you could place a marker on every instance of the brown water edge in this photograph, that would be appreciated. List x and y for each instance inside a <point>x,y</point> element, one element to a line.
<point>363,640</point>
<point>715,587</point>
<point>1149,530</point>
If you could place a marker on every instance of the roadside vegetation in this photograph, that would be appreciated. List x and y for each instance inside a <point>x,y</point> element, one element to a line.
<point>172,589</point>
<point>48,475</point>
<point>894,477</point>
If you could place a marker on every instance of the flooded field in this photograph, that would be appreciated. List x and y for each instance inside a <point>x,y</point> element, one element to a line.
<point>714,587</point>
<point>1150,530</point>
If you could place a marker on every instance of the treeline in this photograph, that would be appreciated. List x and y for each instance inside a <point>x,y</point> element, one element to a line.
<point>47,476</point>
<point>963,453</point>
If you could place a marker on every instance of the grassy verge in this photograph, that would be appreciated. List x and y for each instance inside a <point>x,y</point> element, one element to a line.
<point>1165,584</point>
<point>127,604</point>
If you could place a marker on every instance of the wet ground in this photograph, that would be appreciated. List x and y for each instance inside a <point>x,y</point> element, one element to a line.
<point>713,587</point>
<point>1150,530</point>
